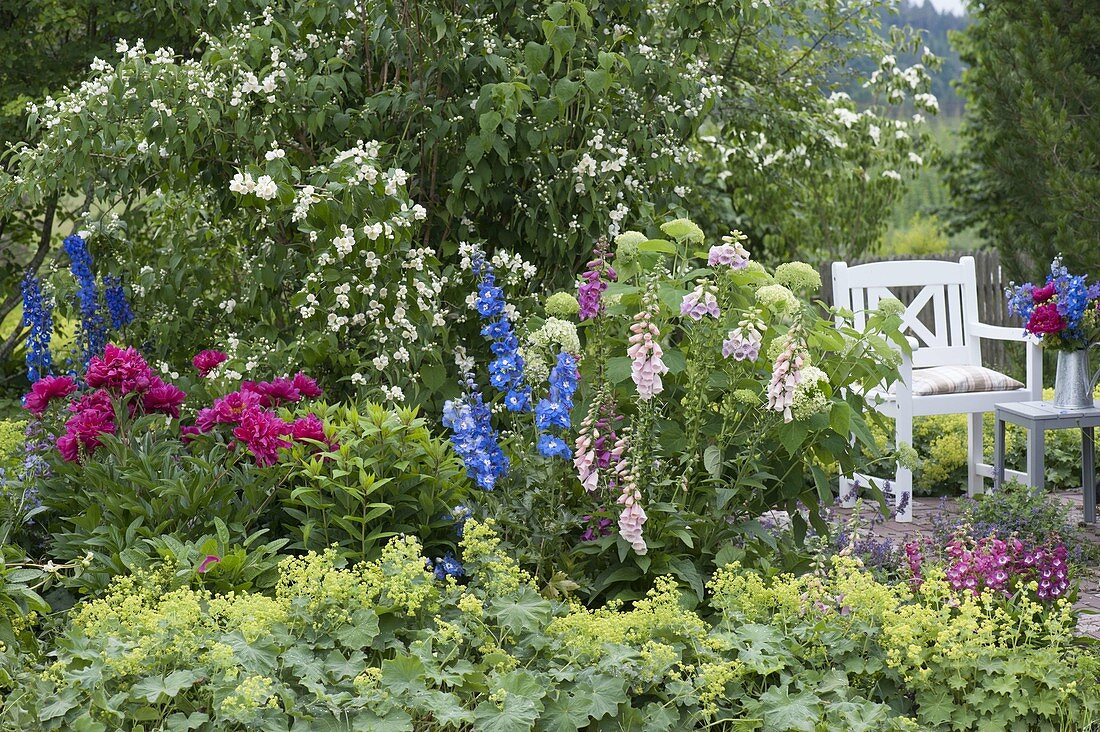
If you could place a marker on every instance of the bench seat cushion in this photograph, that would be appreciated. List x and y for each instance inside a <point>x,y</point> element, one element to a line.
<point>960,380</point>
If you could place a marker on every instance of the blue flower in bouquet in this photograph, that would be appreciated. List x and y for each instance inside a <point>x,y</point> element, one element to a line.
<point>38,316</point>
<point>475,441</point>
<point>448,566</point>
<point>1062,312</point>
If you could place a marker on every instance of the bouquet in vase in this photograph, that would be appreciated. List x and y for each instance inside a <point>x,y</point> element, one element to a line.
<point>1064,313</point>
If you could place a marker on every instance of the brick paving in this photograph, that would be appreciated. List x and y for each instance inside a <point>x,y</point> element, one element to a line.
<point>924,509</point>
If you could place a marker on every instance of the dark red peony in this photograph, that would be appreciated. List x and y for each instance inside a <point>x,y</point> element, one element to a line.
<point>1046,319</point>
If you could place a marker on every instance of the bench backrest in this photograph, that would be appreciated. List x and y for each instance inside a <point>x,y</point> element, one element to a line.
<point>950,288</point>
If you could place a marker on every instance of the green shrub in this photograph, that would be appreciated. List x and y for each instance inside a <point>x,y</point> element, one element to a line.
<point>384,646</point>
<point>924,235</point>
<point>389,477</point>
<point>11,439</point>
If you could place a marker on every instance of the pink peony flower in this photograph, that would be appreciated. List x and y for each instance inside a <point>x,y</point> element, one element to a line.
<point>189,433</point>
<point>263,434</point>
<point>163,398</point>
<point>275,392</point>
<point>207,361</point>
<point>1042,294</point>
<point>45,390</point>
<point>123,371</point>
<point>311,428</point>
<point>83,430</point>
<point>307,386</point>
<point>1046,319</point>
<point>98,401</point>
<point>230,408</point>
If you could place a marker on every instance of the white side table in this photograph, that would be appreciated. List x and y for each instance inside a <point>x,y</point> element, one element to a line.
<point>1037,418</point>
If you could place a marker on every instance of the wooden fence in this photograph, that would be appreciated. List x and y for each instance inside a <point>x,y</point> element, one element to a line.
<point>991,302</point>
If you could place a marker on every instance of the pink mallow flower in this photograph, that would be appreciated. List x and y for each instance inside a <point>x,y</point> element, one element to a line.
<point>45,390</point>
<point>163,398</point>
<point>207,361</point>
<point>263,434</point>
<point>122,371</point>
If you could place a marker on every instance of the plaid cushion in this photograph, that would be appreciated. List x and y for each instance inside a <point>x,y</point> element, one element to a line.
<point>960,380</point>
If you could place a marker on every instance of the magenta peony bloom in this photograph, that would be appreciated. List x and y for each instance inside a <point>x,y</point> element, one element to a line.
<point>84,429</point>
<point>206,419</point>
<point>263,434</point>
<point>207,361</point>
<point>98,400</point>
<point>189,433</point>
<point>121,370</point>
<point>275,392</point>
<point>307,386</point>
<point>1042,294</point>
<point>311,428</point>
<point>45,390</point>
<point>1046,319</point>
<point>163,398</point>
<point>230,408</point>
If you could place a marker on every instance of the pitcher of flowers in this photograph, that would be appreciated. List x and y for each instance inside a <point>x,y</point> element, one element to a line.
<point>1064,314</point>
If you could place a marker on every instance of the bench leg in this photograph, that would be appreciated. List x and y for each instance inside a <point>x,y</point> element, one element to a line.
<point>998,453</point>
<point>1036,456</point>
<point>975,484</point>
<point>1088,473</point>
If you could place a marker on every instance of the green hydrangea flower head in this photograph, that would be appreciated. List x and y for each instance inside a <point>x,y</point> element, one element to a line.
<point>798,276</point>
<point>626,246</point>
<point>684,229</point>
<point>747,397</point>
<point>777,298</point>
<point>907,456</point>
<point>562,305</point>
<point>891,306</point>
<point>809,393</point>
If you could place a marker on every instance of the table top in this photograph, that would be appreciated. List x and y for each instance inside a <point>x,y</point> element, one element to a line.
<point>1046,411</point>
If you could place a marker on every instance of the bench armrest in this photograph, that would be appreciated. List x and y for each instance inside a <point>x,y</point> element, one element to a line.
<point>997,332</point>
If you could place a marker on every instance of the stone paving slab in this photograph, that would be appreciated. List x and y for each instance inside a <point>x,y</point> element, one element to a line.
<point>926,509</point>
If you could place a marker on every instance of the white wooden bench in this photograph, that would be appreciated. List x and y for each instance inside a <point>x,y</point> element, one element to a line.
<point>944,374</point>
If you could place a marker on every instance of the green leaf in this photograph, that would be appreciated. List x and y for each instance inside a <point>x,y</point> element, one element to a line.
<point>784,712</point>
<point>362,629</point>
<point>536,55</point>
<point>528,611</point>
<point>403,674</point>
<point>712,460</point>
<point>657,245</point>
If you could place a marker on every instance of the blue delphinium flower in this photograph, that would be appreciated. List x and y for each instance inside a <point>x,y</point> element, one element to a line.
<point>1020,300</point>
<point>117,306</point>
<point>460,514</point>
<point>38,316</point>
<point>93,326</point>
<point>506,369</point>
<point>475,441</point>
<point>555,409</point>
<point>448,566</point>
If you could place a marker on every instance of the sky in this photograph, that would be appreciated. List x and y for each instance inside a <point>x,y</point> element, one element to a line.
<point>954,6</point>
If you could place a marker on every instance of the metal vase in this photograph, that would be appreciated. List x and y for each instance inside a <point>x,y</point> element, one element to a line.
<point>1073,383</point>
